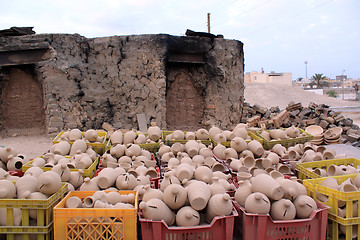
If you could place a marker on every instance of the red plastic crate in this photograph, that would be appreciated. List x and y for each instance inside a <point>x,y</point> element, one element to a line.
<point>220,228</point>
<point>261,226</point>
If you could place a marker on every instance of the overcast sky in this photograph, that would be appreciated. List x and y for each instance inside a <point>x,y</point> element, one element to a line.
<point>278,35</point>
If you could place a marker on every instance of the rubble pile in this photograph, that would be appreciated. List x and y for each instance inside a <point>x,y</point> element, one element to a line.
<point>297,115</point>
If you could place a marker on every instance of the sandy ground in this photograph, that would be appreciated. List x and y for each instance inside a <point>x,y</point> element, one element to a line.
<point>255,93</point>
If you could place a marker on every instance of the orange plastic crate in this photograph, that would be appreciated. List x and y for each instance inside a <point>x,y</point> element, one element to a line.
<point>220,228</point>
<point>261,226</point>
<point>94,223</point>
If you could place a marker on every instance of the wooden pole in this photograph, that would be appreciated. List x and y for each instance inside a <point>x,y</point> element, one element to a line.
<point>208,22</point>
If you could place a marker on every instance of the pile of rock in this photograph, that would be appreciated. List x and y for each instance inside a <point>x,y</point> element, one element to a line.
<point>297,115</point>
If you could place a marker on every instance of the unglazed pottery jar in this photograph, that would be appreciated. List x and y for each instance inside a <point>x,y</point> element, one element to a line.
<point>219,205</point>
<point>154,132</point>
<point>49,182</point>
<point>202,134</point>
<point>198,194</point>
<point>187,217</point>
<point>283,209</point>
<point>304,205</point>
<point>26,185</point>
<point>7,189</point>
<point>267,185</point>
<point>155,209</point>
<point>175,196</point>
<point>243,191</point>
<point>116,138</point>
<point>257,203</point>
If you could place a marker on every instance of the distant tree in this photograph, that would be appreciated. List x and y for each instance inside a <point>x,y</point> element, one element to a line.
<point>299,79</point>
<point>332,93</point>
<point>319,80</point>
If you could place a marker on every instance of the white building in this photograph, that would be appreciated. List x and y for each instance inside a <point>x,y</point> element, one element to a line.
<point>272,78</point>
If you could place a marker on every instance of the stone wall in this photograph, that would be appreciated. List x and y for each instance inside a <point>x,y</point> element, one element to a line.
<point>111,79</point>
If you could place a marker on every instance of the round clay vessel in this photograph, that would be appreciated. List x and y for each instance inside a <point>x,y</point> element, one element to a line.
<point>116,138</point>
<point>187,217</point>
<point>256,148</point>
<point>203,173</point>
<point>78,145</point>
<point>107,178</point>
<point>5,152</point>
<point>7,189</point>
<point>184,171</point>
<point>202,134</point>
<point>239,144</point>
<point>49,182</point>
<point>168,179</point>
<point>129,137</point>
<point>243,191</point>
<point>290,188</point>
<point>73,202</point>
<point>198,194</point>
<point>219,151</point>
<point>219,205</point>
<point>89,185</point>
<point>62,148</point>
<point>304,205</point>
<point>178,135</point>
<point>63,171</point>
<point>267,185</point>
<point>157,210</point>
<point>283,209</point>
<point>192,147</point>
<point>126,181</point>
<point>175,196</point>
<point>257,203</point>
<point>154,132</point>
<point>26,185</point>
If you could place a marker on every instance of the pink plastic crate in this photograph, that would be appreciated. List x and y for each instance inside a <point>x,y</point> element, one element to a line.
<point>220,228</point>
<point>261,226</point>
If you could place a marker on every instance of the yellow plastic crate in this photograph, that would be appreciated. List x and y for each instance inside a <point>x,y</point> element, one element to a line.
<point>98,147</point>
<point>44,223</point>
<point>171,142</point>
<point>304,172</point>
<point>252,135</point>
<point>152,147</point>
<point>89,172</point>
<point>286,142</point>
<point>94,223</point>
<point>334,196</point>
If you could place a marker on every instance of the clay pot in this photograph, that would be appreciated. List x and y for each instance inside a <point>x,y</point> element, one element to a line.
<point>256,148</point>
<point>198,194</point>
<point>107,178</point>
<point>190,136</point>
<point>357,181</point>
<point>242,176</point>
<point>7,189</point>
<point>27,185</point>
<point>133,150</point>
<point>17,216</point>
<point>304,205</point>
<point>283,209</point>
<point>221,175</point>
<point>90,201</point>
<point>218,167</point>
<point>209,161</point>
<point>328,154</point>
<point>230,153</point>
<point>116,138</point>
<point>62,148</point>
<point>267,185</point>
<point>294,155</point>
<point>330,183</point>
<point>213,131</point>
<point>278,134</point>
<point>157,210</point>
<point>321,172</point>
<point>219,151</point>
<point>290,188</point>
<point>117,150</point>
<point>334,170</point>
<point>229,135</point>
<point>292,132</point>
<point>238,144</point>
<point>192,148</point>
<point>168,179</point>
<point>266,135</point>
<point>129,137</point>
<point>184,171</point>
<point>202,134</point>
<point>219,205</point>
<point>49,182</point>
<point>220,137</point>
<point>126,181</point>
<point>73,202</point>
<point>273,158</point>
<point>283,168</point>
<point>89,185</point>
<point>248,161</point>
<point>348,186</point>
<point>204,174</point>
<point>140,139</point>
<point>187,217</point>
<point>154,132</point>
<point>257,203</point>
<point>206,152</point>
<point>279,150</point>
<point>5,152</point>
<point>34,171</point>
<point>85,162</point>
<point>78,145</point>
<point>175,196</point>
<point>301,189</point>
<point>243,191</point>
<point>14,163</point>
<point>76,178</point>
<point>38,162</point>
<point>63,171</point>
<point>74,134</point>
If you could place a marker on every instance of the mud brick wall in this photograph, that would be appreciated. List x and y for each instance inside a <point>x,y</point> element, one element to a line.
<point>111,79</point>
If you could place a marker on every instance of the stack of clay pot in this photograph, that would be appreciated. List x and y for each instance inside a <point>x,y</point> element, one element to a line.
<point>181,203</point>
<point>282,134</point>
<point>136,137</point>
<point>345,186</point>
<point>200,134</point>
<point>218,135</point>
<point>38,185</point>
<point>193,152</point>
<point>11,160</point>
<point>317,132</point>
<point>333,135</point>
<point>283,199</point>
<point>90,136</point>
<point>102,199</point>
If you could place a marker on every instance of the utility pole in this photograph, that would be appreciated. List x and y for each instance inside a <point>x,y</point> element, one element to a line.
<point>306,70</point>
<point>208,22</point>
